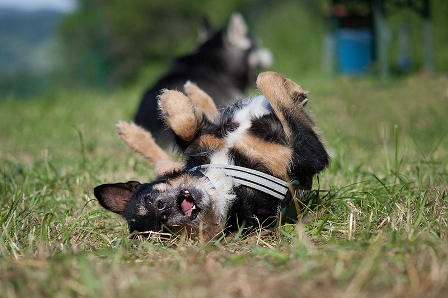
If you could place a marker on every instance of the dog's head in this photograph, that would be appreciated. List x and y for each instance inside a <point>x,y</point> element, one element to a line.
<point>185,199</point>
<point>189,200</point>
<point>238,50</point>
<point>133,201</point>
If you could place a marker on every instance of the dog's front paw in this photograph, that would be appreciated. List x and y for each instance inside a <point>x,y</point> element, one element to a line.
<point>130,133</point>
<point>124,129</point>
<point>142,142</point>
<point>137,139</point>
<point>180,114</point>
<point>201,99</point>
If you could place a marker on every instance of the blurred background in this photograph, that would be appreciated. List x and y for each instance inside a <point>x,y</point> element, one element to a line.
<point>108,44</point>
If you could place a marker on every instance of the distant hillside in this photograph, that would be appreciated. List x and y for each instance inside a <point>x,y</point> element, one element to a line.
<point>23,36</point>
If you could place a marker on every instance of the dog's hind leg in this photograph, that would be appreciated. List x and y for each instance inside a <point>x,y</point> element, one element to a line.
<point>142,142</point>
<point>180,114</point>
<point>285,97</point>
<point>201,100</point>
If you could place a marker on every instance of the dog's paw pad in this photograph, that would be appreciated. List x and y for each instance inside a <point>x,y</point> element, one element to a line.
<point>180,113</point>
<point>201,99</point>
<point>122,127</point>
<point>190,87</point>
<point>172,102</point>
<point>129,132</point>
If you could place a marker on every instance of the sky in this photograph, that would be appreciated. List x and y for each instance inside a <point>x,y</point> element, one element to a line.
<point>62,5</point>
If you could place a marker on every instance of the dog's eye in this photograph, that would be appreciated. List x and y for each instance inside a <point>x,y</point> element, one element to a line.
<point>148,201</point>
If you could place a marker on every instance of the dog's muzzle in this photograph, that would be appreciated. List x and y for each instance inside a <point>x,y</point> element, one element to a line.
<point>184,202</point>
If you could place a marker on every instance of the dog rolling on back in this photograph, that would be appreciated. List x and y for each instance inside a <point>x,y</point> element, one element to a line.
<point>231,158</point>
<point>223,65</point>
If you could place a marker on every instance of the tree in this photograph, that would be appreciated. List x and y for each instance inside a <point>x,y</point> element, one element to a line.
<point>107,42</point>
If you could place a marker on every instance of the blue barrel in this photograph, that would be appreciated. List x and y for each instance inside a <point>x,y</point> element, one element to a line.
<point>355,50</point>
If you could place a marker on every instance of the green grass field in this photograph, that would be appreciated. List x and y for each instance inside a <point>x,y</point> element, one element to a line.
<point>381,229</point>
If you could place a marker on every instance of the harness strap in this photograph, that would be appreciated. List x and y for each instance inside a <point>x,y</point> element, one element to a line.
<point>278,188</point>
<point>266,183</point>
<point>251,178</point>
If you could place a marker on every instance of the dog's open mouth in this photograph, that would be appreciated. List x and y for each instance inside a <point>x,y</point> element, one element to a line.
<point>187,205</point>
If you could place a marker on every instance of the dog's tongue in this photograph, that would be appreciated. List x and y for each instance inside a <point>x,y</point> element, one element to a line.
<point>187,205</point>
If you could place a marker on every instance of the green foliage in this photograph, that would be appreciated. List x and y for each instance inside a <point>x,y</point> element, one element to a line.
<point>26,41</point>
<point>289,38</point>
<point>108,42</point>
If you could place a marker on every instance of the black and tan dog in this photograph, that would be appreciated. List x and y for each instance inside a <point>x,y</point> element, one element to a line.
<point>240,163</point>
<point>224,65</point>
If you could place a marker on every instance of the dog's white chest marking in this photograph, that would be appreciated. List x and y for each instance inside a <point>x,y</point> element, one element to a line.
<point>255,108</point>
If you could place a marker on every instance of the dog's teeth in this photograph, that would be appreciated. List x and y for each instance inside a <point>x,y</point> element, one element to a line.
<point>194,207</point>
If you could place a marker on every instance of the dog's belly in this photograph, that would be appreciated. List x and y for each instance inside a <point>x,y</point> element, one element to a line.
<point>241,120</point>
<point>251,109</point>
<point>253,137</point>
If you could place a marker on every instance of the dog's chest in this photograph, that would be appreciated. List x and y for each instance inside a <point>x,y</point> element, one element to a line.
<point>239,124</point>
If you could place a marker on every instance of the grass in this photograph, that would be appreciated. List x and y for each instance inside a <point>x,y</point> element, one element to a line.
<point>381,228</point>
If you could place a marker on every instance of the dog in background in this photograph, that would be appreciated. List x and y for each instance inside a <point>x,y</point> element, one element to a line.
<point>271,135</point>
<point>224,65</point>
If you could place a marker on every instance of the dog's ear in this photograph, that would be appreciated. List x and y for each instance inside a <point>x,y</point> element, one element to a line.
<point>115,197</point>
<point>206,30</point>
<point>237,32</point>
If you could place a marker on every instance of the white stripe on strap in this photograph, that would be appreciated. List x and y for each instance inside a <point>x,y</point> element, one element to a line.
<point>255,179</point>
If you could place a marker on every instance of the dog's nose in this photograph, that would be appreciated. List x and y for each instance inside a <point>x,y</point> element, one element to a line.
<point>161,205</point>
<point>163,210</point>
